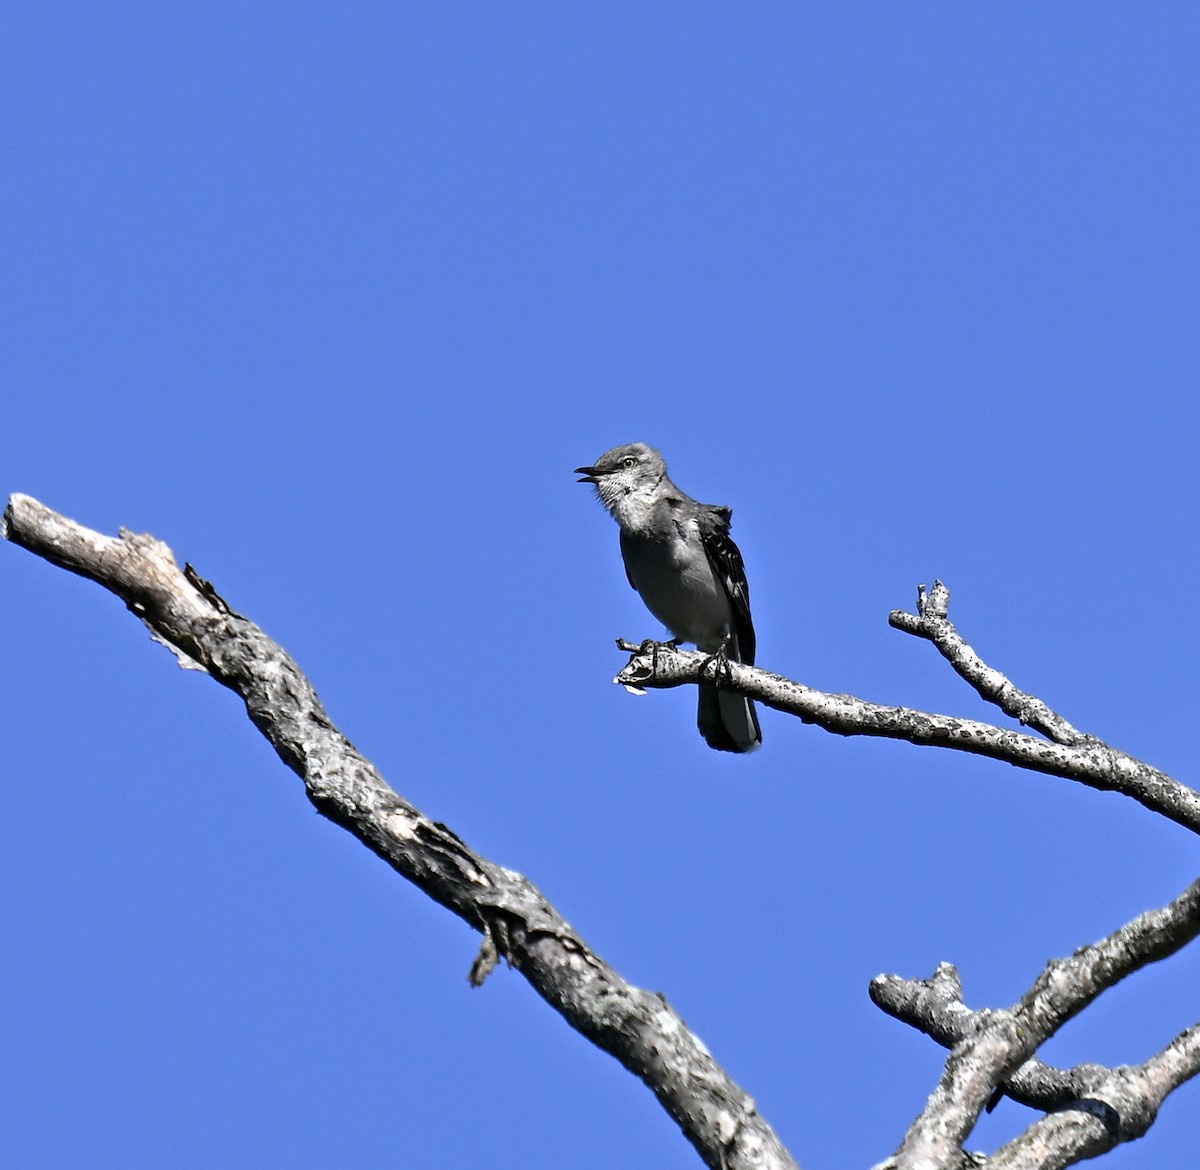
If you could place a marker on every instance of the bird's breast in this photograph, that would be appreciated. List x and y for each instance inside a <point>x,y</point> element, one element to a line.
<point>677,584</point>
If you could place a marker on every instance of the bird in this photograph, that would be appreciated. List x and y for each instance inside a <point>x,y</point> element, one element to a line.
<point>689,573</point>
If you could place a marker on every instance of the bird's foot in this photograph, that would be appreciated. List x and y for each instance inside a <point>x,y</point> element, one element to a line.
<point>649,646</point>
<point>719,661</point>
<point>630,677</point>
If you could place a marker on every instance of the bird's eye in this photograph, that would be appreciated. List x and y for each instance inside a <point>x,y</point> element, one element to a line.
<point>628,462</point>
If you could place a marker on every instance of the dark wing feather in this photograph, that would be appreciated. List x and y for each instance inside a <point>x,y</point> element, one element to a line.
<point>626,541</point>
<point>726,560</point>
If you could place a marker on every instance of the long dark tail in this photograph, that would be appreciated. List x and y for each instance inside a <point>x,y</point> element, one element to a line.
<point>727,721</point>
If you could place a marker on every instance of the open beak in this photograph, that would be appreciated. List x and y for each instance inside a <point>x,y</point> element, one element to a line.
<point>588,473</point>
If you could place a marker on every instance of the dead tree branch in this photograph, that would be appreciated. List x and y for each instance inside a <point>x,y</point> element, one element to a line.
<point>1088,1109</point>
<point>930,622</point>
<point>1067,753</point>
<point>637,1027</point>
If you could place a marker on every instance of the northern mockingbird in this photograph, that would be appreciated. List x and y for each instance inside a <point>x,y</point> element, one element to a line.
<point>679,558</point>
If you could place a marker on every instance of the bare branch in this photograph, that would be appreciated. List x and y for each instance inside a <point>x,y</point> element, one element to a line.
<point>965,1161</point>
<point>1090,762</point>
<point>1111,1106</point>
<point>930,622</point>
<point>1176,1064</point>
<point>1061,1139</point>
<point>1091,1108</point>
<point>1115,1105</point>
<point>637,1027</point>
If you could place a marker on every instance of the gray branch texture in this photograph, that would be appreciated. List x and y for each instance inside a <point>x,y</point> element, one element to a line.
<point>1085,1111</point>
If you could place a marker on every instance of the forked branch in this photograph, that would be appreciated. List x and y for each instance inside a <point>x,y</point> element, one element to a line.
<point>1067,752</point>
<point>1089,1109</point>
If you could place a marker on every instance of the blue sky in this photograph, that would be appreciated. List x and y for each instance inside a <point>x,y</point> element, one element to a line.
<point>332,298</point>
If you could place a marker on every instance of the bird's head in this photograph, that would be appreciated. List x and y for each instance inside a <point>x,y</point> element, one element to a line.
<point>622,471</point>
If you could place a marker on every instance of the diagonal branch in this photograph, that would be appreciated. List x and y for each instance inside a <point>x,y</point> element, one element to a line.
<point>637,1027</point>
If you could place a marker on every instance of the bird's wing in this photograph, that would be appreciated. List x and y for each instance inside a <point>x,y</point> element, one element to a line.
<point>626,541</point>
<point>726,560</point>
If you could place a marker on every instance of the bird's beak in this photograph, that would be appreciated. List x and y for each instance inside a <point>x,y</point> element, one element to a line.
<point>588,473</point>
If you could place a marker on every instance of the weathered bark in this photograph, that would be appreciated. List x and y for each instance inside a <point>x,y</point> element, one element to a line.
<point>1086,759</point>
<point>638,1027</point>
<point>1088,1109</point>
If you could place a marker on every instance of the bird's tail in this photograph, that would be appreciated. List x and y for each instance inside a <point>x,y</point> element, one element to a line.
<point>727,720</point>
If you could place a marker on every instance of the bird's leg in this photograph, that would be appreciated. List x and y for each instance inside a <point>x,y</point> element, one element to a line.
<point>719,661</point>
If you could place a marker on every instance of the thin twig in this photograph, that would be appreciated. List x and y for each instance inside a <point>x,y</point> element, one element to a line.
<point>930,622</point>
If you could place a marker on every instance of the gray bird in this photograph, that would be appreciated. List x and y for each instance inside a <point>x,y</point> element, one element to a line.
<point>680,559</point>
